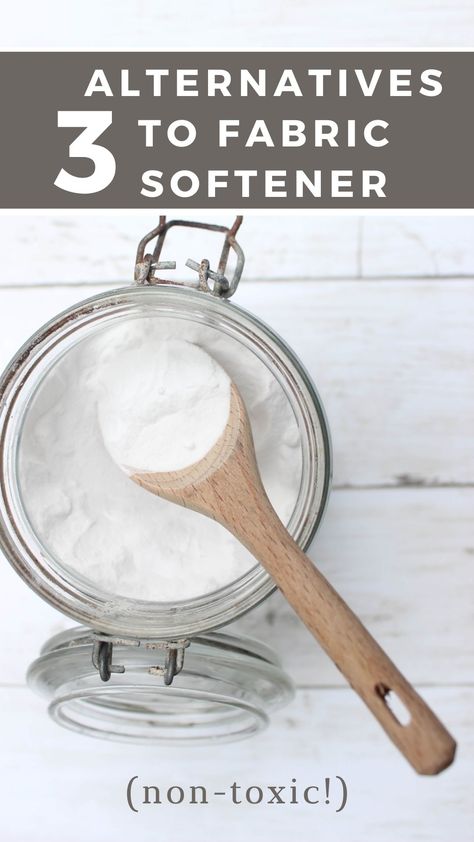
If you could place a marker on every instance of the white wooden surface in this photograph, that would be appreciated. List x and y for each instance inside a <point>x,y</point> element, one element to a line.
<point>245,24</point>
<point>59,786</point>
<point>381,310</point>
<point>51,250</point>
<point>393,360</point>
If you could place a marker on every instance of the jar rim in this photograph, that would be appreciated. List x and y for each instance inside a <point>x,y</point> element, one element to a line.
<point>203,613</point>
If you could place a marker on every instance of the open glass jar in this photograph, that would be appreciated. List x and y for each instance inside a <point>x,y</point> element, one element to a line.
<point>141,625</point>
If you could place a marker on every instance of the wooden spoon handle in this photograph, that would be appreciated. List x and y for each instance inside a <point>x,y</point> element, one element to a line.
<point>424,740</point>
<point>226,486</point>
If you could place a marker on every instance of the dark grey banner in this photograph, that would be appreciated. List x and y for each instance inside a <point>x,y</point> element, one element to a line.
<point>236,130</point>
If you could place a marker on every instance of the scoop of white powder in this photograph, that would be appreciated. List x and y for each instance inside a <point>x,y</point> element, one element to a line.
<point>87,513</point>
<point>164,410</point>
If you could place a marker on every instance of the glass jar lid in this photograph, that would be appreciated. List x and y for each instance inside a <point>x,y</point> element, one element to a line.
<point>224,690</point>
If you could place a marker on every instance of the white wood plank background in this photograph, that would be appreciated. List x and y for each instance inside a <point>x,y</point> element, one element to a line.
<point>401,558</point>
<point>88,249</point>
<point>65,787</point>
<point>393,360</point>
<point>246,24</point>
<point>381,312</point>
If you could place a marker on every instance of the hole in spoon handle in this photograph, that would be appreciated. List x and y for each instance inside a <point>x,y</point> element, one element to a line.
<point>412,725</point>
<point>395,705</point>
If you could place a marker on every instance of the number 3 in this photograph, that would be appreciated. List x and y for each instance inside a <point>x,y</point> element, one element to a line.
<point>84,146</point>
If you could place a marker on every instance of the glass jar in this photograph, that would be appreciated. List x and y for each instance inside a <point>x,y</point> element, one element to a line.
<point>66,590</point>
<point>119,631</point>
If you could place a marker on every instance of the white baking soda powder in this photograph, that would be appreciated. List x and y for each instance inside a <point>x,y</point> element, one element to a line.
<point>163,409</point>
<point>146,393</point>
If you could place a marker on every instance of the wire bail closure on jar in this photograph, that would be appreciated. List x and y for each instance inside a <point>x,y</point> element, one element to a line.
<point>147,265</point>
<point>102,656</point>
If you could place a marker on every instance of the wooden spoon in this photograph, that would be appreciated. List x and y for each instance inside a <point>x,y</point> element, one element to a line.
<point>226,486</point>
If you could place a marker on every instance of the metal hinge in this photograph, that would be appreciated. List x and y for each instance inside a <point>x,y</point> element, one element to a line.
<point>147,265</point>
<point>102,655</point>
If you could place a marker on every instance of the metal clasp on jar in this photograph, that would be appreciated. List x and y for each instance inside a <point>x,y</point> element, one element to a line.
<point>147,265</point>
<point>102,656</point>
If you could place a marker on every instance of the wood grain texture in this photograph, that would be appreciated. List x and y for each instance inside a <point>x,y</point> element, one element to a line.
<point>392,362</point>
<point>86,249</point>
<point>225,485</point>
<point>51,776</point>
<point>393,365</point>
<point>248,24</point>
<point>404,246</point>
<point>402,558</point>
